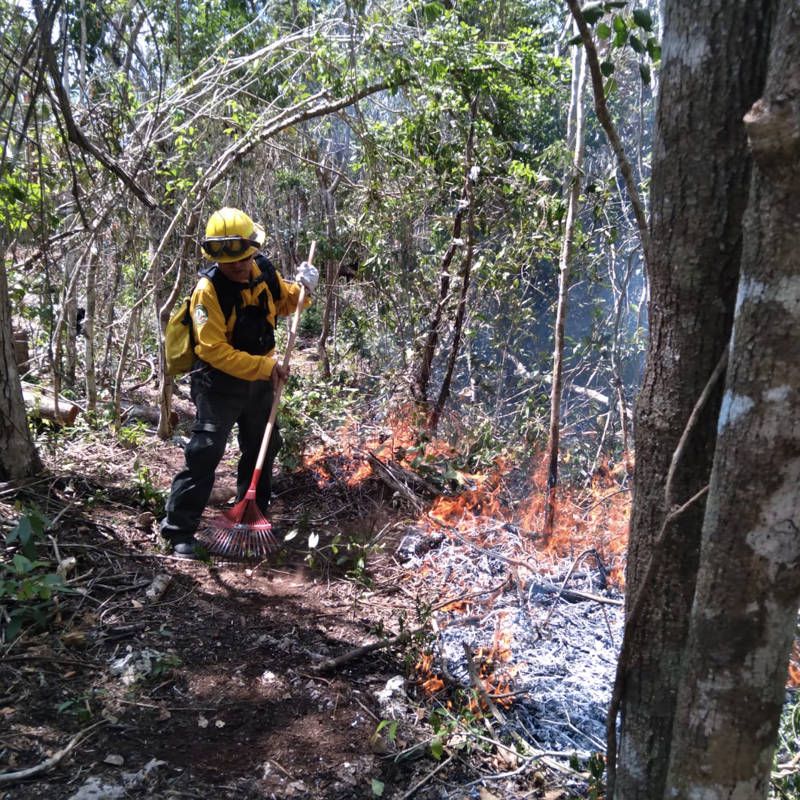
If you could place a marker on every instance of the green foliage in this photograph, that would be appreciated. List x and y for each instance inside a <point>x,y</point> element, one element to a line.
<point>133,434</point>
<point>150,496</point>
<point>594,768</point>
<point>308,403</point>
<point>18,197</point>
<point>80,707</point>
<point>164,664</point>
<point>785,781</point>
<point>390,725</point>
<point>28,586</point>
<point>620,29</point>
<point>344,554</point>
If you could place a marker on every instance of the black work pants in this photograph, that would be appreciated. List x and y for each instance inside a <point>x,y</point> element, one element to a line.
<point>216,414</point>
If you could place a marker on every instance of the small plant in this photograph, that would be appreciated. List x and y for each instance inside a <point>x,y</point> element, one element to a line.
<point>28,585</point>
<point>149,495</point>
<point>785,780</point>
<point>164,663</point>
<point>595,766</point>
<point>79,706</point>
<point>134,434</point>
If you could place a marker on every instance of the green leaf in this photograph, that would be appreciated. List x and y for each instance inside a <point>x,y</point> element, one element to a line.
<point>610,87</point>
<point>637,44</point>
<point>603,30</point>
<point>377,787</point>
<point>643,18</point>
<point>435,720</point>
<point>592,12</point>
<point>575,40</point>
<point>437,748</point>
<point>644,71</point>
<point>433,11</point>
<point>620,26</point>
<point>607,68</point>
<point>654,49</point>
<point>22,564</point>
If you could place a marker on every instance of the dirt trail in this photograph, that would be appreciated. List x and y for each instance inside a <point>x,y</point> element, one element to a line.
<point>209,691</point>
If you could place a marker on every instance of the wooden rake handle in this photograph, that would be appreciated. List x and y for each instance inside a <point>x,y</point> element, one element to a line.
<point>273,413</point>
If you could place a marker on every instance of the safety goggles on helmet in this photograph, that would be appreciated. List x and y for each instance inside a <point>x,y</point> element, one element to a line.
<point>229,246</point>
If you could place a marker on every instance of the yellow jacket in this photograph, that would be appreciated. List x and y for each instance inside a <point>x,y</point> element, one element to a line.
<point>213,334</point>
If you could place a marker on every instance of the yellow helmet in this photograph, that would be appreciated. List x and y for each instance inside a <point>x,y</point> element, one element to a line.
<point>231,236</point>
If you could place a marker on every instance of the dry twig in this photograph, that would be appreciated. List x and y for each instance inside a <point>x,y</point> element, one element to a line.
<point>8,778</point>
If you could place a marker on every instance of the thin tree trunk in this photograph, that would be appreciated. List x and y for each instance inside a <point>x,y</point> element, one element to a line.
<point>604,118</point>
<point>70,338</point>
<point>165,423</point>
<point>327,191</point>
<point>18,456</point>
<point>428,351</point>
<point>466,270</point>
<point>112,293</point>
<point>748,587</point>
<point>88,329</point>
<point>64,328</point>
<point>616,371</point>
<point>576,139</point>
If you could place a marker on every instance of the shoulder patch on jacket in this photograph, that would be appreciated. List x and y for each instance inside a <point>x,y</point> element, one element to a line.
<point>200,315</point>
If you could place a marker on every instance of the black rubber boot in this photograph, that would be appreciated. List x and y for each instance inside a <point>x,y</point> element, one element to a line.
<point>186,550</point>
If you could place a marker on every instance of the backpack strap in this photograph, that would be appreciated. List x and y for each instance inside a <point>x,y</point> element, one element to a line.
<point>269,275</point>
<point>229,294</point>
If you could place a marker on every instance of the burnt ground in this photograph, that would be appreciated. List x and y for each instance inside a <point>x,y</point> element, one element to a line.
<point>211,689</point>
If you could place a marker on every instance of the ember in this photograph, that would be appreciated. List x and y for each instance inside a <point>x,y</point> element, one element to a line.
<point>538,632</point>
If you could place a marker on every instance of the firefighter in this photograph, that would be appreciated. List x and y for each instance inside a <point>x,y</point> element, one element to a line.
<point>234,307</point>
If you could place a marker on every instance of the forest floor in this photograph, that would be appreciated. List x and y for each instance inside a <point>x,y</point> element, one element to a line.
<point>165,678</point>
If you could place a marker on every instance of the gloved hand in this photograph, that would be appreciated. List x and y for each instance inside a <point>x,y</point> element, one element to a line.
<point>279,375</point>
<point>308,275</point>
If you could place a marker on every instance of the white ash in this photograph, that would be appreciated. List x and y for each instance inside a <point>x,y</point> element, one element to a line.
<point>563,658</point>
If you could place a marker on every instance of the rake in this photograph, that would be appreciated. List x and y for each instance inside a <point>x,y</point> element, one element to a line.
<point>243,531</point>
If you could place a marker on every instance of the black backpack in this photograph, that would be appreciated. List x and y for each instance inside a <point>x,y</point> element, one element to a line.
<point>252,333</point>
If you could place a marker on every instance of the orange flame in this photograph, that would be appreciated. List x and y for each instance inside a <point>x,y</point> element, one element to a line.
<point>794,666</point>
<point>430,682</point>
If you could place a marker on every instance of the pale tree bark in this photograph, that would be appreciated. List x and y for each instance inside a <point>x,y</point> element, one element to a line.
<point>576,139</point>
<point>18,456</point>
<point>748,586</point>
<point>328,183</point>
<point>88,328</point>
<point>713,70</point>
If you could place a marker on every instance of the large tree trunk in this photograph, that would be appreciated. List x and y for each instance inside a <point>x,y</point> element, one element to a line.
<point>18,456</point>
<point>713,70</point>
<point>748,587</point>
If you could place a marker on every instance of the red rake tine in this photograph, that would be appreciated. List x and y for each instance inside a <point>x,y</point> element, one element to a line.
<point>243,532</point>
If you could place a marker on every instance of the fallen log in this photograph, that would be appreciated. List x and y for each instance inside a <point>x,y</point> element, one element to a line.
<point>147,414</point>
<point>41,404</point>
